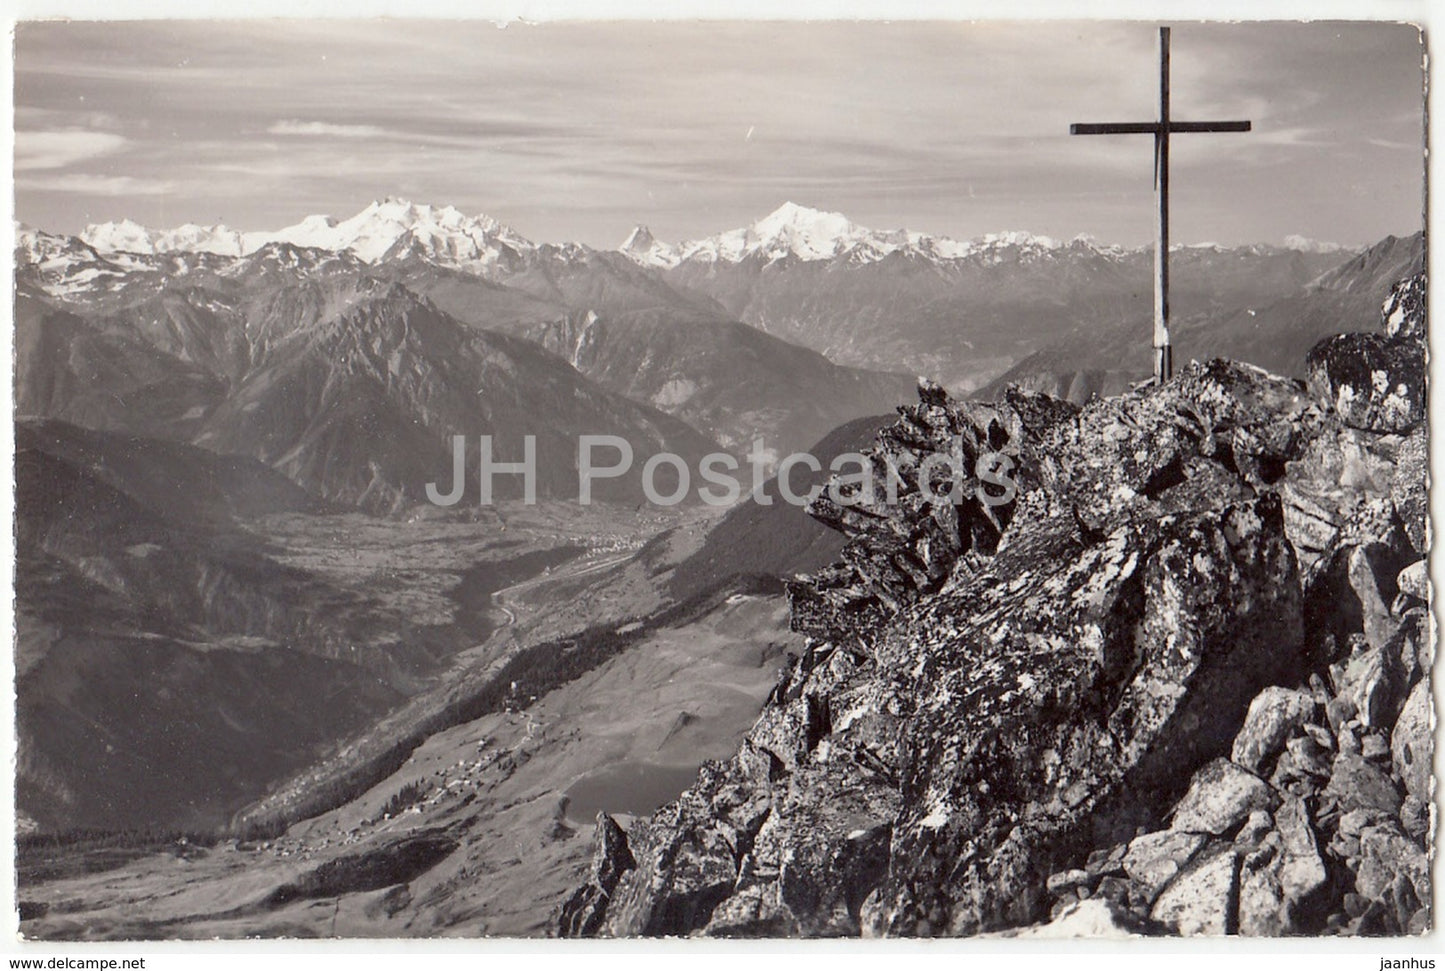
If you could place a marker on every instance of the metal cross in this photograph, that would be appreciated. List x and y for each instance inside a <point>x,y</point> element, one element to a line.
<point>1161,130</point>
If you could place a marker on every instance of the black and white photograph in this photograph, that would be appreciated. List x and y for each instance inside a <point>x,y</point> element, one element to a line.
<point>721,478</point>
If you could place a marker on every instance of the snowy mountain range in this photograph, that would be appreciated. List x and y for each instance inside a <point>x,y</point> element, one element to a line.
<point>395,228</point>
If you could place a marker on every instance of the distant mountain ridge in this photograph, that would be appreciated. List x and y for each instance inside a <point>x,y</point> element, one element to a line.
<point>1273,334</point>
<point>351,386</point>
<point>394,227</point>
<point>647,320</point>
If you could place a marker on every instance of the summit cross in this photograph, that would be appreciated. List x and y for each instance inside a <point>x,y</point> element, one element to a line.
<point>1161,130</point>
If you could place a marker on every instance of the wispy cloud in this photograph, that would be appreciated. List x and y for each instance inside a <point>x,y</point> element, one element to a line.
<point>79,183</point>
<point>1396,146</point>
<point>57,149</point>
<point>293,126</point>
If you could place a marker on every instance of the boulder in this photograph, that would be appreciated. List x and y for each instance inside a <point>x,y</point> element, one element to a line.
<point>1412,743</point>
<point>1353,585</point>
<point>1413,646</point>
<point>1302,873</point>
<point>1336,472</point>
<point>1220,797</point>
<point>1261,898</point>
<point>1156,858</point>
<point>1414,581</point>
<point>1385,853</point>
<point>1254,830</point>
<point>1356,784</point>
<point>1273,716</point>
<point>1282,882</point>
<point>1202,899</point>
<point>1372,382</point>
<point>1372,571</point>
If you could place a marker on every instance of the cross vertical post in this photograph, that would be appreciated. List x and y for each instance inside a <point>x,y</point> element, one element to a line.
<point>1161,130</point>
<point>1163,350</point>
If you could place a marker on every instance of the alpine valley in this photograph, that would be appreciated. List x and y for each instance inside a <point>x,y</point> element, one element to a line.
<point>268,687</point>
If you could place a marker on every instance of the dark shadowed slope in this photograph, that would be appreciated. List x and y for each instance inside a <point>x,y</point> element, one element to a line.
<point>167,667</point>
<point>776,540</point>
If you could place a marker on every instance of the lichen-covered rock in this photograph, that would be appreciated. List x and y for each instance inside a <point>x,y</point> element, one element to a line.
<point>1282,886</point>
<point>1201,899</point>
<point>689,855</point>
<point>1338,471</point>
<point>1350,592</point>
<point>1410,488</point>
<point>1156,858</point>
<point>1370,381</point>
<point>1273,716</point>
<point>1063,691</point>
<point>1212,436</point>
<point>1220,796</point>
<point>1385,854</point>
<point>1282,882</point>
<point>1083,695</point>
<point>1404,312</point>
<point>1372,571</point>
<point>943,484</point>
<point>1357,785</point>
<point>1412,744</point>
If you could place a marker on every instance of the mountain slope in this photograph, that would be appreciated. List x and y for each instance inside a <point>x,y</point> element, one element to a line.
<point>167,665</point>
<point>723,377</point>
<point>1274,334</point>
<point>351,385</point>
<point>961,312</point>
<point>775,539</point>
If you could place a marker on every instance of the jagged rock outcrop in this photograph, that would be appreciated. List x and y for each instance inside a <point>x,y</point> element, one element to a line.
<point>1180,676</point>
<point>584,911</point>
<point>1404,312</point>
<point>904,544</point>
<point>1376,382</point>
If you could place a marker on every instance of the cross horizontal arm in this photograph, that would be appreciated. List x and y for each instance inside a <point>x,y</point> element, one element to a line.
<point>1152,127</point>
<point>1116,128</point>
<point>1187,126</point>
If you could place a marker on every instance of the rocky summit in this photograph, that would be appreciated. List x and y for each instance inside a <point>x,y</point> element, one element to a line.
<point>1175,682</point>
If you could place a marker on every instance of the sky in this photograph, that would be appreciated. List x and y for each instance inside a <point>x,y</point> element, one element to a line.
<point>579,131</point>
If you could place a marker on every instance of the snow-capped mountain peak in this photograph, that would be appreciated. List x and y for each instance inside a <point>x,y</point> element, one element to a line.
<point>1306,245</point>
<point>805,234</point>
<point>644,248</point>
<point>385,227</point>
<point>441,233</point>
